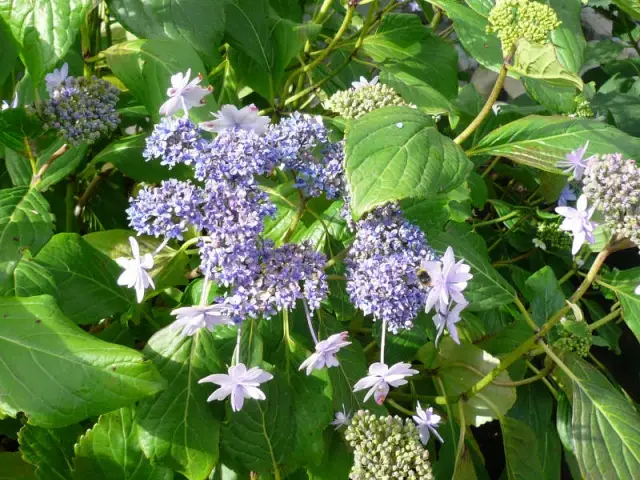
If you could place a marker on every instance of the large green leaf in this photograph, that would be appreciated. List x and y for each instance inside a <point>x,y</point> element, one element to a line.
<point>623,108</point>
<point>460,367</point>
<point>568,38</point>
<point>146,66</point>
<point>50,450</point>
<point>541,62</point>
<point>395,153</point>
<point>518,440</point>
<point>260,436</point>
<point>57,374</point>
<point>43,29</point>
<point>624,283</point>
<point>534,408</point>
<point>541,142</point>
<point>25,223</point>
<point>196,23</point>
<point>111,451</point>
<point>545,295</point>
<point>605,426</point>
<point>178,428</point>
<point>487,289</point>
<point>81,278</point>
<point>17,127</point>
<point>126,154</point>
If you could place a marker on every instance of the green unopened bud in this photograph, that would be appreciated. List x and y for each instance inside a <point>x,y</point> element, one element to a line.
<point>511,20</point>
<point>356,102</point>
<point>550,234</point>
<point>583,107</point>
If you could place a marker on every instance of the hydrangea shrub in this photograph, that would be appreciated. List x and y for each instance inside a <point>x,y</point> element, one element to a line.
<point>319,239</point>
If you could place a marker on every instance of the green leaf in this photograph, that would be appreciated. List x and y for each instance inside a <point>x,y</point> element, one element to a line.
<point>462,366</point>
<point>57,374</point>
<point>44,30</point>
<point>8,55</point>
<point>397,37</point>
<point>540,62</point>
<point>568,38</point>
<point>631,7</point>
<point>623,108</point>
<point>545,295</point>
<point>248,29</point>
<point>395,153</point>
<point>169,264</point>
<point>111,451</point>
<point>15,468</point>
<point>178,429</point>
<point>336,461</point>
<point>146,66</point>
<point>623,283</point>
<point>197,24</point>
<point>50,450</point>
<point>126,154</point>
<point>17,127</point>
<point>471,28</point>
<point>605,426</point>
<point>260,436</point>
<point>518,440</point>
<point>487,289</point>
<point>83,277</point>
<point>534,408</point>
<point>541,142</point>
<point>25,223</point>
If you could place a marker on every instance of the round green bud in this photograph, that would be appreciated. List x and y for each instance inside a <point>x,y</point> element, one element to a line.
<point>356,102</point>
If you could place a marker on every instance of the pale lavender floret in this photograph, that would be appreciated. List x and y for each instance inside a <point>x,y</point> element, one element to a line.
<point>234,218</point>
<point>168,210</point>
<point>288,273</point>
<point>578,222</point>
<point>237,155</point>
<point>175,140</point>
<point>382,268</point>
<point>574,163</point>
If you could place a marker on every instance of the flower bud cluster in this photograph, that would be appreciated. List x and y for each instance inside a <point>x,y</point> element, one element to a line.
<point>82,109</point>
<point>382,266</point>
<point>568,342</point>
<point>550,234</point>
<point>386,448</point>
<point>583,107</point>
<point>354,103</point>
<point>613,185</point>
<point>511,20</point>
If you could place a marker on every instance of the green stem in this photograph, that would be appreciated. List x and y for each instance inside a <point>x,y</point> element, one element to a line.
<point>37,178</point>
<point>336,258</point>
<point>490,167</point>
<point>435,21</point>
<point>501,219</point>
<point>497,88</point>
<point>567,276</point>
<point>342,278</point>
<point>463,429</point>
<point>604,320</point>
<point>399,407</point>
<point>525,314</point>
<point>514,259</point>
<point>296,219</point>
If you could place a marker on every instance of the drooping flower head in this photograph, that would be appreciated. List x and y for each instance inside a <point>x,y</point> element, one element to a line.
<point>230,118</point>
<point>136,268</point>
<point>386,447</point>
<point>184,94</point>
<point>511,20</point>
<point>239,383</point>
<point>578,222</point>
<point>80,109</point>
<point>382,267</point>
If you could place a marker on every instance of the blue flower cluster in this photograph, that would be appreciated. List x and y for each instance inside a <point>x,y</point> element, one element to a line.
<point>175,140</point>
<point>382,267</point>
<point>229,208</point>
<point>82,109</point>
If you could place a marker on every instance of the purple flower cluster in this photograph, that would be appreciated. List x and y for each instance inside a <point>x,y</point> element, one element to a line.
<point>167,210</point>
<point>382,267</point>
<point>288,273</point>
<point>82,109</point>
<point>175,140</point>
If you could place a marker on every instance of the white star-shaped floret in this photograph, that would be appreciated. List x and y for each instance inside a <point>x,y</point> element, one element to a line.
<point>578,222</point>
<point>363,82</point>
<point>229,117</point>
<point>381,378</point>
<point>240,383</point>
<point>325,354</point>
<point>342,418</point>
<point>448,281</point>
<point>183,94</point>
<point>135,273</point>
<point>192,319</point>
<point>574,162</point>
<point>427,421</point>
